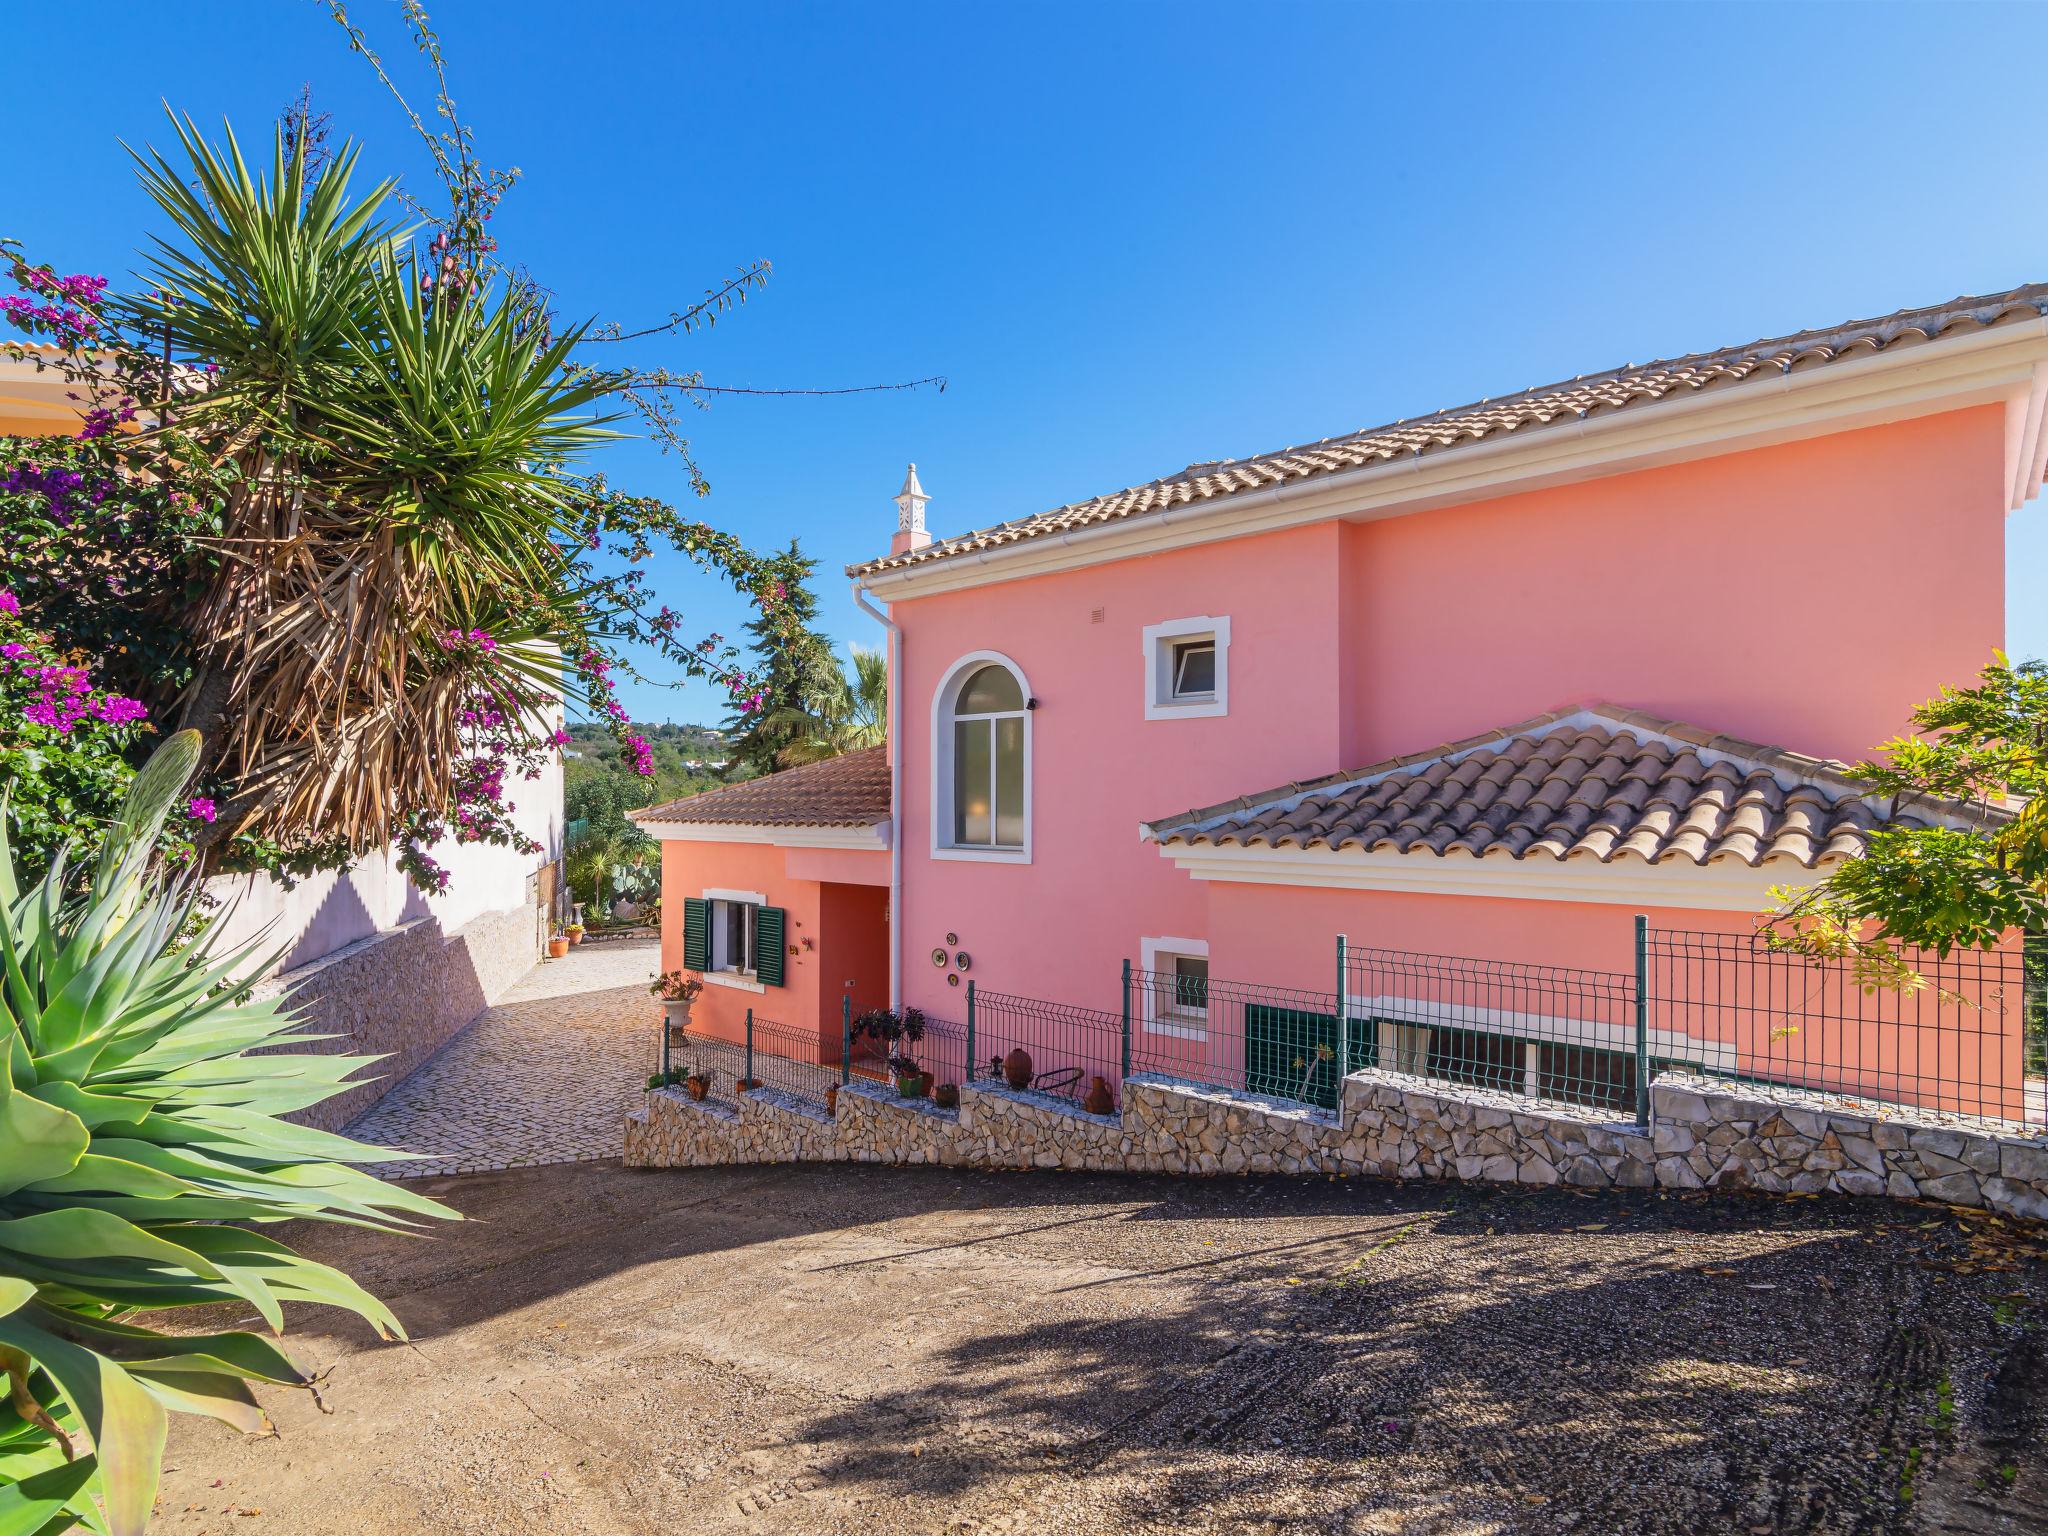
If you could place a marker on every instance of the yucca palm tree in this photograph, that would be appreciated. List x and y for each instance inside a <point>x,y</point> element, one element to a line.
<point>140,1141</point>
<point>393,452</point>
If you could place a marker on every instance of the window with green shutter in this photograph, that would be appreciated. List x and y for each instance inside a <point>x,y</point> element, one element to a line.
<point>771,928</point>
<point>696,934</point>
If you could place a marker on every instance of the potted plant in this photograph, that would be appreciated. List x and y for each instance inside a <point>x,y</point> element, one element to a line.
<point>678,993</point>
<point>947,1095</point>
<point>574,932</point>
<point>558,944</point>
<point>895,1033</point>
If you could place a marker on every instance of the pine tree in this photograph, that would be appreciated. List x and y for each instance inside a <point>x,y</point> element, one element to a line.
<point>803,675</point>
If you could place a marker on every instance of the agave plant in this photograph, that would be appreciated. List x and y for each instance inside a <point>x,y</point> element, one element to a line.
<point>141,1142</point>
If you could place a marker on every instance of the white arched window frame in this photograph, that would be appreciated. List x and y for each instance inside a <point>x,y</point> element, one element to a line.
<point>945,716</point>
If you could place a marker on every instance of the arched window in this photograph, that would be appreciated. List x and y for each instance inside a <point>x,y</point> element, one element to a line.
<point>982,742</point>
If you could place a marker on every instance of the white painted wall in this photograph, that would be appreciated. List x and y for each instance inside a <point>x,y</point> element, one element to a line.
<point>326,912</point>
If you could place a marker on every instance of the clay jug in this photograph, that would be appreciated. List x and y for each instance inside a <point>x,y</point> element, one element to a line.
<point>1017,1068</point>
<point>1098,1101</point>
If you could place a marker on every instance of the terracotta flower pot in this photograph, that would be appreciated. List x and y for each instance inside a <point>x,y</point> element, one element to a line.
<point>698,1086</point>
<point>749,1084</point>
<point>576,938</point>
<point>832,1101</point>
<point>1098,1101</point>
<point>1017,1068</point>
<point>557,948</point>
<point>947,1095</point>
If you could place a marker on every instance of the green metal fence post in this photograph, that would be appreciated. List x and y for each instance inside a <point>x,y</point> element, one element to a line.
<point>1642,1022</point>
<point>1126,1072</point>
<point>970,1029</point>
<point>846,1037</point>
<point>750,1045</point>
<point>1343,1025</point>
<point>665,1026</point>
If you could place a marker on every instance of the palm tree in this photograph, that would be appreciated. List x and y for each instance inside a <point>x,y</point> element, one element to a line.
<point>841,717</point>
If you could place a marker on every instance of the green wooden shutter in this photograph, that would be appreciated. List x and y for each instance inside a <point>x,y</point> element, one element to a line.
<point>770,934</point>
<point>696,934</point>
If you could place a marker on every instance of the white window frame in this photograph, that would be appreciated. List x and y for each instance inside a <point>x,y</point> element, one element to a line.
<point>944,698</point>
<point>739,981</point>
<point>1156,956</point>
<point>1160,639</point>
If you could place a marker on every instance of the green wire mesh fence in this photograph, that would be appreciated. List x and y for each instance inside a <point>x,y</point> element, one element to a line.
<point>1955,1043</point>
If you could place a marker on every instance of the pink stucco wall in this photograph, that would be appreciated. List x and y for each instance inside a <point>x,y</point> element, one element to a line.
<point>1807,595</point>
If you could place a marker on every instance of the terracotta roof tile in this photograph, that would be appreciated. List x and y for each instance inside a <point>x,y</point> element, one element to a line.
<point>1591,395</point>
<point>1598,782</point>
<point>851,790</point>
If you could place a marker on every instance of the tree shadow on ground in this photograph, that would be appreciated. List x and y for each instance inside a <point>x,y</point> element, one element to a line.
<point>1072,1352</point>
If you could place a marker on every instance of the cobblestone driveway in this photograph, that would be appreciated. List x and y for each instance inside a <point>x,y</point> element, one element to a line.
<point>543,1077</point>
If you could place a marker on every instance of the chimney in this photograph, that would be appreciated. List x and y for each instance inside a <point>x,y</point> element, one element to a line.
<point>910,529</point>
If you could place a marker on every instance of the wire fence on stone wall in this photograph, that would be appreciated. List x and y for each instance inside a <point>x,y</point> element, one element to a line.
<point>1965,1040</point>
<point>1560,1033</point>
<point>1957,1038</point>
<point>1279,1042</point>
<point>769,1054</point>
<point>1043,1046</point>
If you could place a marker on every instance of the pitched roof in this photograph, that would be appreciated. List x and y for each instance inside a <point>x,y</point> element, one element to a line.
<point>1596,782</point>
<point>1573,400</point>
<point>851,790</point>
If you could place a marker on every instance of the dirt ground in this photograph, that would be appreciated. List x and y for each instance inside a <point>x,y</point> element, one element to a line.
<point>840,1349</point>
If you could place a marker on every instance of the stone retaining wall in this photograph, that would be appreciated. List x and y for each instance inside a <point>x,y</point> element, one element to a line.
<point>402,995</point>
<point>1703,1134</point>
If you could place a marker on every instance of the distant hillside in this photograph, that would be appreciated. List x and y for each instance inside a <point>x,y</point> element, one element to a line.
<point>599,784</point>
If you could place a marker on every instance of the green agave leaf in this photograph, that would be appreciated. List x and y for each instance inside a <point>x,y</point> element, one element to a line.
<point>28,1507</point>
<point>38,1141</point>
<point>126,1424</point>
<point>89,1235</point>
<point>222,1397</point>
<point>245,1354</point>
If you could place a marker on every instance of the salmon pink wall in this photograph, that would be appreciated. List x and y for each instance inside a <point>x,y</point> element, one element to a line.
<point>1806,596</point>
<point>845,924</point>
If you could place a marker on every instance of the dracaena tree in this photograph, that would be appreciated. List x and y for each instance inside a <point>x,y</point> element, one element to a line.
<point>142,1150</point>
<point>1983,748</point>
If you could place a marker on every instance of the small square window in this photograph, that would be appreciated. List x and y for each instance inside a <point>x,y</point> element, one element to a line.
<point>1194,669</point>
<point>1191,985</point>
<point>1187,669</point>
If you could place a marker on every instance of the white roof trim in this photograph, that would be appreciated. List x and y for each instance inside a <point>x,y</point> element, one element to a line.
<point>865,839</point>
<point>1727,886</point>
<point>2006,363</point>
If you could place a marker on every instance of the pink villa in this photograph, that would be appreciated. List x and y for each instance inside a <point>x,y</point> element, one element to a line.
<point>1485,683</point>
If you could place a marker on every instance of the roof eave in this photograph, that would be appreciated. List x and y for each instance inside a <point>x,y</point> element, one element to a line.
<point>1998,363</point>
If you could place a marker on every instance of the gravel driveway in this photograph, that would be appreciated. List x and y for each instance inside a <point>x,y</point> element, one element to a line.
<point>842,1349</point>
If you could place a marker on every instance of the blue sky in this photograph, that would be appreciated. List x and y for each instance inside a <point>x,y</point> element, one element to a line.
<point>1134,236</point>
